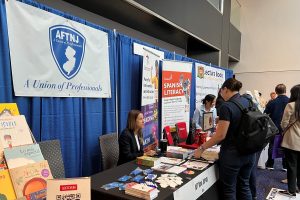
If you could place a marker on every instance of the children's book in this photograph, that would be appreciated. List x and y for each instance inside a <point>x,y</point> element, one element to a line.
<point>23,155</point>
<point>30,178</point>
<point>8,109</point>
<point>14,131</point>
<point>6,189</point>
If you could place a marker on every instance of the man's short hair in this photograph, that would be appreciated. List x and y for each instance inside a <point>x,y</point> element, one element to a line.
<point>280,89</point>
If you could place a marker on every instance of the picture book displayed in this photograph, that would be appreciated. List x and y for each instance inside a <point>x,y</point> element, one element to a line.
<point>79,188</point>
<point>23,155</point>
<point>30,178</point>
<point>172,161</point>
<point>6,190</point>
<point>8,109</point>
<point>194,165</point>
<point>167,168</point>
<point>14,131</point>
<point>141,190</point>
<point>147,161</point>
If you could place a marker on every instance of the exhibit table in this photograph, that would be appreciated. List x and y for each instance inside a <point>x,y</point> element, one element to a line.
<point>201,185</point>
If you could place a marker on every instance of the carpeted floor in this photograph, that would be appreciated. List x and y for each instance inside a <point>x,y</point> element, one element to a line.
<point>266,179</point>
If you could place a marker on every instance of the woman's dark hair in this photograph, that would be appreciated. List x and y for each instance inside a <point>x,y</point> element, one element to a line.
<point>131,121</point>
<point>295,97</point>
<point>232,84</point>
<point>208,98</point>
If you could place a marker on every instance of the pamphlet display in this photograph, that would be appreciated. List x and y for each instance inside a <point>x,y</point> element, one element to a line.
<point>8,109</point>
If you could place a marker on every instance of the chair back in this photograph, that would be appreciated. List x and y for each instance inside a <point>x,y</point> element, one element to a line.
<point>168,135</point>
<point>52,153</point>
<point>181,131</point>
<point>109,147</point>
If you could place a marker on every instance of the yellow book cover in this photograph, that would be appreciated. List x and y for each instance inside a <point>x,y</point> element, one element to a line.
<point>8,109</point>
<point>30,178</point>
<point>6,189</point>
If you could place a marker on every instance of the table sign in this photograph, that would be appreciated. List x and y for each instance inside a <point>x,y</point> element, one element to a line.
<point>80,188</point>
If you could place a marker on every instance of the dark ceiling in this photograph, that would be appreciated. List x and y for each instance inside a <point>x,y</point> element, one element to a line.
<point>128,15</point>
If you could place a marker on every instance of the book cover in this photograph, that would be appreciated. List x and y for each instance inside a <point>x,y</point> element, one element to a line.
<point>79,188</point>
<point>194,165</point>
<point>14,131</point>
<point>2,160</point>
<point>8,109</point>
<point>30,178</point>
<point>6,189</point>
<point>147,161</point>
<point>23,155</point>
<point>172,161</point>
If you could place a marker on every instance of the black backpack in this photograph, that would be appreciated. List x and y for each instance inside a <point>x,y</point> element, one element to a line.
<point>255,129</point>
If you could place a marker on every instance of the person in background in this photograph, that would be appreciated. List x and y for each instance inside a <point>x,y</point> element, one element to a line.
<point>275,110</point>
<point>131,138</point>
<point>273,95</point>
<point>219,102</point>
<point>234,168</point>
<point>262,102</point>
<point>291,141</point>
<point>208,104</point>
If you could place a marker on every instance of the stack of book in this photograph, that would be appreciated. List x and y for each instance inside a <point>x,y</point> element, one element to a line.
<point>147,161</point>
<point>178,152</point>
<point>23,170</point>
<point>141,190</point>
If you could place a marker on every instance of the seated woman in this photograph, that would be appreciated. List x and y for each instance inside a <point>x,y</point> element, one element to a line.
<point>131,138</point>
<point>208,104</point>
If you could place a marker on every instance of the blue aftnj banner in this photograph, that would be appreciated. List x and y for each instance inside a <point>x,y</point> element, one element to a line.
<point>63,58</point>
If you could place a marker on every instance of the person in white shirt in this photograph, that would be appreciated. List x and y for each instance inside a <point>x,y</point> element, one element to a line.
<point>208,105</point>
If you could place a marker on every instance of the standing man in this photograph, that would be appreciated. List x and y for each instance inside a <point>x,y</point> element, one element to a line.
<point>275,109</point>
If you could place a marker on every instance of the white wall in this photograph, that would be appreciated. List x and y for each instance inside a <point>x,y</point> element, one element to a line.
<point>270,45</point>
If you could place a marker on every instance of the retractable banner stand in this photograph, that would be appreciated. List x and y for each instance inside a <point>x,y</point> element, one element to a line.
<point>176,83</point>
<point>208,81</point>
<point>150,98</point>
<point>52,56</point>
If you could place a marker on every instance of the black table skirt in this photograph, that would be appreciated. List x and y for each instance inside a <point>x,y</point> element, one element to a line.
<point>112,175</point>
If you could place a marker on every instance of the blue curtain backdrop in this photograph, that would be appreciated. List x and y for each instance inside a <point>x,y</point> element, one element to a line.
<point>78,122</point>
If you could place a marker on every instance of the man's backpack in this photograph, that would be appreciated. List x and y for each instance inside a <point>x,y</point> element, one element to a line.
<point>255,129</point>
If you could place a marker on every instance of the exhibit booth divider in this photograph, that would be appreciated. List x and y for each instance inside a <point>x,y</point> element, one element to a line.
<point>78,122</point>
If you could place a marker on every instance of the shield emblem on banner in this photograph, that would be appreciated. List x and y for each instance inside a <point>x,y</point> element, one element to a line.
<point>67,48</point>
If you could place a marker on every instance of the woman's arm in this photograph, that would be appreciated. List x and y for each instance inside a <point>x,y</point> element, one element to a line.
<point>125,147</point>
<point>215,139</point>
<point>288,111</point>
<point>196,118</point>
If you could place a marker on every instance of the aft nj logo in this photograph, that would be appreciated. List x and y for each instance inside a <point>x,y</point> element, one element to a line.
<point>67,47</point>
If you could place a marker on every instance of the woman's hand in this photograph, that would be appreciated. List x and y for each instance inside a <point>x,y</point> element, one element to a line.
<point>198,152</point>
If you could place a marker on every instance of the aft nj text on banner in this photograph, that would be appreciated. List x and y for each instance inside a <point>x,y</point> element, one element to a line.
<point>56,57</point>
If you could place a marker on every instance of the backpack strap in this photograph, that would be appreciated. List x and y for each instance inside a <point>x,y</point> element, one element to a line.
<point>241,107</point>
